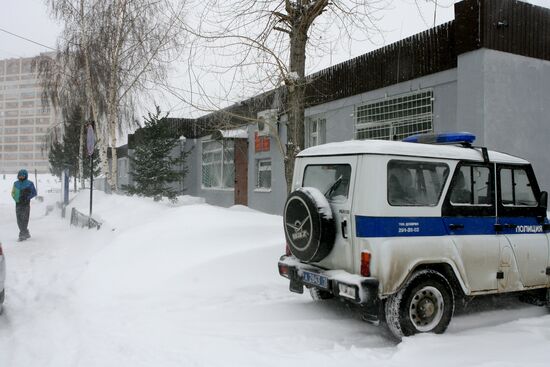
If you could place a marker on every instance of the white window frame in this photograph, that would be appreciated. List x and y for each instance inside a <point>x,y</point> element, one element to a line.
<point>223,148</point>
<point>315,130</point>
<point>395,118</point>
<point>260,169</point>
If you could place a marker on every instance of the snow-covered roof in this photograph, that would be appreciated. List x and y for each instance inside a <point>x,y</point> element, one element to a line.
<point>386,147</point>
<point>234,134</point>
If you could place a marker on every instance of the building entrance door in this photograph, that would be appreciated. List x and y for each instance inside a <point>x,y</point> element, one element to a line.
<point>241,172</point>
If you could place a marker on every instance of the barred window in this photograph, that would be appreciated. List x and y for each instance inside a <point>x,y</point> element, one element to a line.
<point>395,118</point>
<point>218,170</point>
<point>263,178</point>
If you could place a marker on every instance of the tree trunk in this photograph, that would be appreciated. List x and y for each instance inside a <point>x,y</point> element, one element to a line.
<point>117,41</point>
<point>104,161</point>
<point>296,102</point>
<point>100,140</point>
<point>112,135</point>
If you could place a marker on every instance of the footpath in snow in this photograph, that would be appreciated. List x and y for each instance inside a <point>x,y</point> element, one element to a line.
<point>190,284</point>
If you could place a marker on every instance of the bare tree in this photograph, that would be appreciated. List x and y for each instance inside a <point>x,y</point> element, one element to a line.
<point>141,39</point>
<point>60,89</point>
<point>65,85</point>
<point>73,78</point>
<point>271,39</point>
<point>126,47</point>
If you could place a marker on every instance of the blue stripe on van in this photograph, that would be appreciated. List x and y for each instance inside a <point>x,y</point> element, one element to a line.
<point>521,225</point>
<point>441,226</point>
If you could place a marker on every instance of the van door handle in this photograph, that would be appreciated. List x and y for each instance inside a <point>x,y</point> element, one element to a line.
<point>501,227</point>
<point>344,227</point>
<point>453,227</point>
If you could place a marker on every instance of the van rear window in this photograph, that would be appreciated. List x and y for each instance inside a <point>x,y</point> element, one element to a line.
<point>331,179</point>
<point>413,183</point>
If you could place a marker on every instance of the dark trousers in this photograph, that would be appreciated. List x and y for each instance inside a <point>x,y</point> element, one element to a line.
<point>23,212</point>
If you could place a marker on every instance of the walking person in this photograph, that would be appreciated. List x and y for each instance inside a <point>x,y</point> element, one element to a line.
<point>22,192</point>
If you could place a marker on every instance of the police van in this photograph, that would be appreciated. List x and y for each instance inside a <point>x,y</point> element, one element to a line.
<point>408,229</point>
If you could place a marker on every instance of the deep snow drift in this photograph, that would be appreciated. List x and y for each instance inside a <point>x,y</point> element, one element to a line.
<point>191,284</point>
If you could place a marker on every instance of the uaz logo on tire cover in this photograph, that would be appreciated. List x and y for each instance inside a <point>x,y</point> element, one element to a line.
<point>299,230</point>
<point>309,230</point>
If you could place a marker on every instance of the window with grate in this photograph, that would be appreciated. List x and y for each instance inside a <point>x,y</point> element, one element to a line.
<point>315,131</point>
<point>395,118</point>
<point>218,169</point>
<point>263,174</point>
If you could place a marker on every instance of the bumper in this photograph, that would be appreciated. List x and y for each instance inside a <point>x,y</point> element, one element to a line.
<point>351,287</point>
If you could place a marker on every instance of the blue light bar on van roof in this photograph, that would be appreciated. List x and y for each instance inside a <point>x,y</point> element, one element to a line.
<point>442,138</point>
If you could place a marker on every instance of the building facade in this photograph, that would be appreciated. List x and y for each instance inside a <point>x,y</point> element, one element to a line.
<point>486,72</point>
<point>24,122</point>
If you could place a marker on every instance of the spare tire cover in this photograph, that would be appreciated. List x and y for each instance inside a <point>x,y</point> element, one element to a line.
<point>309,225</point>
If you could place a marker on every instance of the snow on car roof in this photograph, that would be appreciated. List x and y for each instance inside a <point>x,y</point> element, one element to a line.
<point>386,147</point>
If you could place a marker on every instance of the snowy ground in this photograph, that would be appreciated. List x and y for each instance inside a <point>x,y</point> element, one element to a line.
<point>195,285</point>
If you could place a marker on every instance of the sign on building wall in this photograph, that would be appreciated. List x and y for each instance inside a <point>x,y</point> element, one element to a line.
<point>261,143</point>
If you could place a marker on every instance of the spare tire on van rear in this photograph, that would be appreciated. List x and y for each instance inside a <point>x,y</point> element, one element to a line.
<point>309,224</point>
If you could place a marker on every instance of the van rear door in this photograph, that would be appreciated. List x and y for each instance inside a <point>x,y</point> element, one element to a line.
<point>335,178</point>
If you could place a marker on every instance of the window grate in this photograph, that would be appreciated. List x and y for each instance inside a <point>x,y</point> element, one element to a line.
<point>396,118</point>
<point>263,178</point>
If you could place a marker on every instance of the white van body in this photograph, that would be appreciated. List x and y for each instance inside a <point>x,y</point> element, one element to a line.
<point>493,240</point>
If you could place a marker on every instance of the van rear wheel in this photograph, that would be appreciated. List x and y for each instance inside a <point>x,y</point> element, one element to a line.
<point>424,305</point>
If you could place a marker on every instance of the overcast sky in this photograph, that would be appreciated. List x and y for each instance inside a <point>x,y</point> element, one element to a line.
<point>30,19</point>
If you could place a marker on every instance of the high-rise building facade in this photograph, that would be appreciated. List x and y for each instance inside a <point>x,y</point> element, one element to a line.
<point>25,123</point>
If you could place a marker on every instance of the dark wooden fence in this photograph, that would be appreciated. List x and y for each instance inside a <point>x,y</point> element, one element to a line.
<point>504,25</point>
<point>425,53</point>
<point>516,27</point>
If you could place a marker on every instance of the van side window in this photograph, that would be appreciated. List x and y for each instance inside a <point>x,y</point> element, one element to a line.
<point>516,189</point>
<point>413,183</point>
<point>471,186</point>
<point>331,179</point>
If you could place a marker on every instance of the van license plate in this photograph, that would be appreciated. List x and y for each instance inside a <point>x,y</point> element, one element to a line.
<point>315,279</point>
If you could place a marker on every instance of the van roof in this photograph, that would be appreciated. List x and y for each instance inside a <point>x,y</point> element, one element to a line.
<point>386,147</point>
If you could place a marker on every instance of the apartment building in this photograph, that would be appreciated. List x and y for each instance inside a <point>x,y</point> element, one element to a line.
<point>24,122</point>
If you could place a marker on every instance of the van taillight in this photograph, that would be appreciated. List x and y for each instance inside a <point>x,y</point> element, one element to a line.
<point>365,264</point>
<point>283,270</point>
<point>287,250</point>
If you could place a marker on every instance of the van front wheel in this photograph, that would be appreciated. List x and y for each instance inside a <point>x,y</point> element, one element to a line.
<point>424,305</point>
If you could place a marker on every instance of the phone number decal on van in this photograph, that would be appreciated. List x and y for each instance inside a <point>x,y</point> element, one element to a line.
<point>442,226</point>
<point>408,227</point>
<point>399,226</point>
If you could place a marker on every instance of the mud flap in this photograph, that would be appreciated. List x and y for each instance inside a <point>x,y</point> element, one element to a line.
<point>296,285</point>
